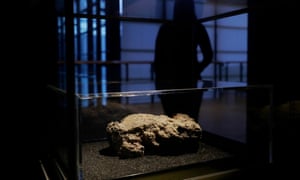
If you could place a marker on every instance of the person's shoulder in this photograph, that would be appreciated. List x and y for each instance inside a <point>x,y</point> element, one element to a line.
<point>199,25</point>
<point>166,25</point>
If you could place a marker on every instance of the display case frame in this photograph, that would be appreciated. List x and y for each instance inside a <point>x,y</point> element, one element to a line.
<point>66,149</point>
<point>94,159</point>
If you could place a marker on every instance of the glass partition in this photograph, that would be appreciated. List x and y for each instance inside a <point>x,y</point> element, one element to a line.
<point>224,118</point>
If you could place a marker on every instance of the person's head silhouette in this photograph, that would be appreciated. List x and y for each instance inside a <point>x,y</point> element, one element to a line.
<point>184,10</point>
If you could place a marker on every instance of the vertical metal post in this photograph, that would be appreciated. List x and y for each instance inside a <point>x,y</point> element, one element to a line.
<point>73,146</point>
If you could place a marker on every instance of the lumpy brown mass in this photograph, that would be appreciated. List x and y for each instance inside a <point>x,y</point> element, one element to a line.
<point>140,133</point>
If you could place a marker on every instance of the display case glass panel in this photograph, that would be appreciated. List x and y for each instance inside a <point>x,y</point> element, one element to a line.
<point>226,118</point>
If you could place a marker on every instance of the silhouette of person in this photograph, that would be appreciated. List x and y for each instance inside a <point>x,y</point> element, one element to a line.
<point>176,64</point>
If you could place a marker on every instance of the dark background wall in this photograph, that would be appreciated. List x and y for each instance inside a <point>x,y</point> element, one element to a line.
<point>29,42</point>
<point>273,49</point>
<point>273,55</point>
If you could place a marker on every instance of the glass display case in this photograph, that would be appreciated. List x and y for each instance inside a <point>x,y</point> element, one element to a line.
<point>232,119</point>
<point>99,73</point>
<point>105,52</point>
